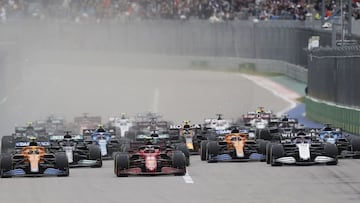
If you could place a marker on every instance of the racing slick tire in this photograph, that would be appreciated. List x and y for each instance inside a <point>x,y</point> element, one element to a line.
<point>185,150</point>
<point>268,153</point>
<point>179,162</point>
<point>121,162</point>
<point>95,154</point>
<point>263,134</point>
<point>331,151</point>
<point>212,137</point>
<point>262,148</point>
<point>7,144</point>
<point>355,147</point>
<point>277,151</point>
<point>5,164</point>
<point>203,150</point>
<point>212,150</point>
<point>62,163</point>
<point>130,135</point>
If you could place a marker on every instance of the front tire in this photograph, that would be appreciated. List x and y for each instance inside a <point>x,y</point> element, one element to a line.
<point>355,147</point>
<point>121,162</point>
<point>95,154</point>
<point>62,163</point>
<point>277,151</point>
<point>212,151</point>
<point>185,150</point>
<point>7,144</point>
<point>331,151</point>
<point>6,164</point>
<point>179,162</point>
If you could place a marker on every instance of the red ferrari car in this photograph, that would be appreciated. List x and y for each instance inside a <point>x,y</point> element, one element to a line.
<point>149,159</point>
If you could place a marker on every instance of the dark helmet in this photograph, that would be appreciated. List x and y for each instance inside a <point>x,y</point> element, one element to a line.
<point>100,128</point>
<point>67,135</point>
<point>33,141</point>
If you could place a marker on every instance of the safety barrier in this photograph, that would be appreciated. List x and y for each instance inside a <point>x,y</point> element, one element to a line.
<point>340,116</point>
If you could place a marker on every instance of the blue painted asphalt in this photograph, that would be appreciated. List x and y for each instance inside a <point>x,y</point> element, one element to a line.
<point>299,112</point>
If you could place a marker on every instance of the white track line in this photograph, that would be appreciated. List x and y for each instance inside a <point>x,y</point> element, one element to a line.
<point>188,179</point>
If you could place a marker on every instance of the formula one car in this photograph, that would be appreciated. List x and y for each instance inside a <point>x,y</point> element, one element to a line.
<point>84,122</point>
<point>302,149</point>
<point>347,147</point>
<point>148,123</point>
<point>235,146</point>
<point>121,124</point>
<point>191,135</point>
<point>33,160</point>
<point>287,127</point>
<point>22,135</point>
<point>79,153</point>
<point>219,125</point>
<point>149,159</point>
<point>106,140</point>
<point>249,117</point>
<point>52,124</point>
<point>164,137</point>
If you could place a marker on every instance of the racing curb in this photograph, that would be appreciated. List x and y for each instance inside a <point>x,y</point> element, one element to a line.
<point>278,90</point>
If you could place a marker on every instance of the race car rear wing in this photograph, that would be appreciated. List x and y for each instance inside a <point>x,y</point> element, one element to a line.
<point>135,145</point>
<point>61,137</point>
<point>179,127</point>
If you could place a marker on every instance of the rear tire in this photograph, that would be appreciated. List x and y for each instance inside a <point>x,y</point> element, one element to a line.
<point>121,162</point>
<point>203,150</point>
<point>212,137</point>
<point>179,162</point>
<point>268,153</point>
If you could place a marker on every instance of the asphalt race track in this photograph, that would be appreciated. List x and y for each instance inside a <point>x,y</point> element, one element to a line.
<point>178,95</point>
<point>107,91</point>
<point>218,182</point>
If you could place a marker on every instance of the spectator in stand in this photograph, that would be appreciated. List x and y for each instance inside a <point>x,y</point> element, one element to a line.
<point>98,10</point>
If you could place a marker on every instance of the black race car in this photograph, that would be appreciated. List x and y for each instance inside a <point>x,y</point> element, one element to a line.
<point>78,152</point>
<point>302,149</point>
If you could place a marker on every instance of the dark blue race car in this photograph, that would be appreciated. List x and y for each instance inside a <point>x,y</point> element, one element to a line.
<point>106,140</point>
<point>348,146</point>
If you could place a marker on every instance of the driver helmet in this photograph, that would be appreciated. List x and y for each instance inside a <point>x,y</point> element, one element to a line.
<point>67,135</point>
<point>100,128</point>
<point>33,141</point>
<point>186,124</point>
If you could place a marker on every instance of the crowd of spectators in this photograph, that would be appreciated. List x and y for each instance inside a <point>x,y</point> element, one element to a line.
<point>216,10</point>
